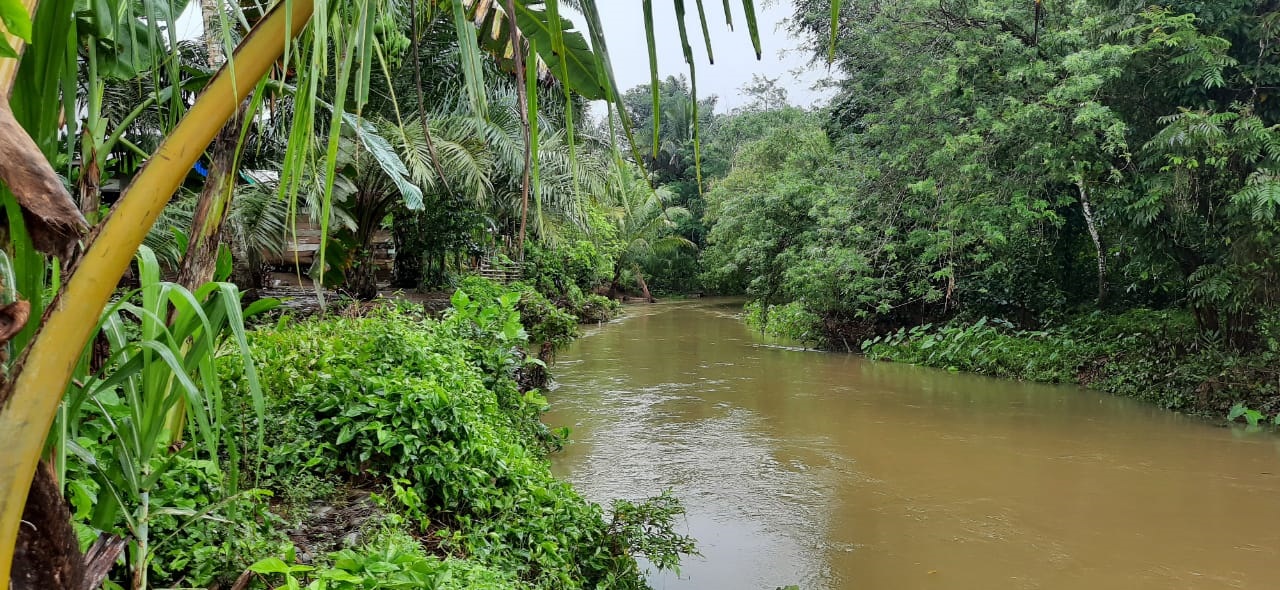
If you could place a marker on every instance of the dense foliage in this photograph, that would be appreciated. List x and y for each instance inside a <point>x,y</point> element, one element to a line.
<point>983,159</point>
<point>426,414</point>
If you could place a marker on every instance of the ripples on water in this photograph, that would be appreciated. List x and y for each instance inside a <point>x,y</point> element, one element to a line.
<point>827,471</point>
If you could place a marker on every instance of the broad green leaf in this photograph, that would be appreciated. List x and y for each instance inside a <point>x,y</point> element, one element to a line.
<point>576,61</point>
<point>16,20</point>
<point>270,565</point>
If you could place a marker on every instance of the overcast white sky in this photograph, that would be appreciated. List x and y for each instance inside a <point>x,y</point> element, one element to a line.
<point>735,58</point>
<point>623,22</point>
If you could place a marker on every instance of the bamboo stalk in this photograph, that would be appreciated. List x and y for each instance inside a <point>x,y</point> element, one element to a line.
<point>29,405</point>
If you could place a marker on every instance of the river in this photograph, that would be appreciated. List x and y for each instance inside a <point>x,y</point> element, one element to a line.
<point>830,471</point>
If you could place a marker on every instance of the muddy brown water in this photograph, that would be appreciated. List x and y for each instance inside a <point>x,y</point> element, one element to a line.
<point>829,471</point>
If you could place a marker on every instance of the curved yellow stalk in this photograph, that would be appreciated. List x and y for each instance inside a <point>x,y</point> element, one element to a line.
<point>26,417</point>
<point>9,65</point>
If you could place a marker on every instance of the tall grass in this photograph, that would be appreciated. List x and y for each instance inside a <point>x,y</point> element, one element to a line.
<point>159,379</point>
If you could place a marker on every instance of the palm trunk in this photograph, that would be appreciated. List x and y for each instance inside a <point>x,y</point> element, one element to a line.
<point>209,10</point>
<point>408,270</point>
<point>47,555</point>
<point>1097,242</point>
<point>362,278</point>
<point>644,287</point>
<point>201,259</point>
<point>517,52</point>
<point>90,183</point>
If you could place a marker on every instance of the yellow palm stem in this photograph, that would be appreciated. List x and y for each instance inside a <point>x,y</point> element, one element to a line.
<point>9,65</point>
<point>46,369</point>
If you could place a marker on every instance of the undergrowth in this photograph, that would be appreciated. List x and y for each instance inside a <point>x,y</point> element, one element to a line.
<point>428,414</point>
<point>791,321</point>
<point>1145,354</point>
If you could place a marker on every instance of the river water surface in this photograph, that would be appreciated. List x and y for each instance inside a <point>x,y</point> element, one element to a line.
<point>830,471</point>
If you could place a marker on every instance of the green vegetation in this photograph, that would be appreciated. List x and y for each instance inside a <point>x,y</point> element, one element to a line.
<point>426,414</point>
<point>1084,192</point>
<point>1155,356</point>
<point>454,125</point>
<point>1080,193</point>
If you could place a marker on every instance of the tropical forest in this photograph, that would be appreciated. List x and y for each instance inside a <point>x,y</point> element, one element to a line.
<point>542,294</point>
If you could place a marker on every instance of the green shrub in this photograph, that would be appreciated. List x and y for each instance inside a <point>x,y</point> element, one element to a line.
<point>202,535</point>
<point>428,412</point>
<point>791,321</point>
<point>553,270</point>
<point>544,321</point>
<point>1155,356</point>
<point>392,561</point>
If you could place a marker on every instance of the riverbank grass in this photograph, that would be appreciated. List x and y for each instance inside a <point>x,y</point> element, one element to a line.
<point>1155,356</point>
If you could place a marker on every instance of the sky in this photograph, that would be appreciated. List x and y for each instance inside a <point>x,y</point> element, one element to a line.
<point>781,58</point>
<point>623,23</point>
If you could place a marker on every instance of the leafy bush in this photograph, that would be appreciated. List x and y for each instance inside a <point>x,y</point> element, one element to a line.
<point>579,263</point>
<point>791,321</point>
<point>597,308</point>
<point>1155,356</point>
<point>587,307</point>
<point>428,411</point>
<point>544,321</point>
<point>393,561</point>
<point>202,534</point>
<point>567,276</point>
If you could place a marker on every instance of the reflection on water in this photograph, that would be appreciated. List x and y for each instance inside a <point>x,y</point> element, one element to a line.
<point>829,471</point>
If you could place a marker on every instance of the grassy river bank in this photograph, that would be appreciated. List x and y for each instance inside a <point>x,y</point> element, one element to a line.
<point>1156,356</point>
<point>399,451</point>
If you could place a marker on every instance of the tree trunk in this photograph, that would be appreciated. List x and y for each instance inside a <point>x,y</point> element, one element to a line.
<point>90,184</point>
<point>517,53</point>
<point>209,10</point>
<point>362,277</point>
<point>1097,242</point>
<point>249,272</point>
<point>201,259</point>
<point>644,287</point>
<point>48,554</point>
<point>407,270</point>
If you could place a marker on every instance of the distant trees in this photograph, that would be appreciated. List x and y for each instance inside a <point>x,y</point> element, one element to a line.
<point>985,159</point>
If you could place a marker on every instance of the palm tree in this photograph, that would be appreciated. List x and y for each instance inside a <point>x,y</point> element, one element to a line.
<point>371,178</point>
<point>645,227</point>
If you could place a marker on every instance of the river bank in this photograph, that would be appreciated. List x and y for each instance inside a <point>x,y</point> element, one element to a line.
<point>1154,356</point>
<point>397,450</point>
<point>1157,356</point>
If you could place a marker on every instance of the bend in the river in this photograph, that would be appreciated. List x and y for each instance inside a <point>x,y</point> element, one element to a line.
<point>830,471</point>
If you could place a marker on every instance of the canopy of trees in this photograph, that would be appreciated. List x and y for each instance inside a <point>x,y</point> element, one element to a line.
<point>1019,160</point>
